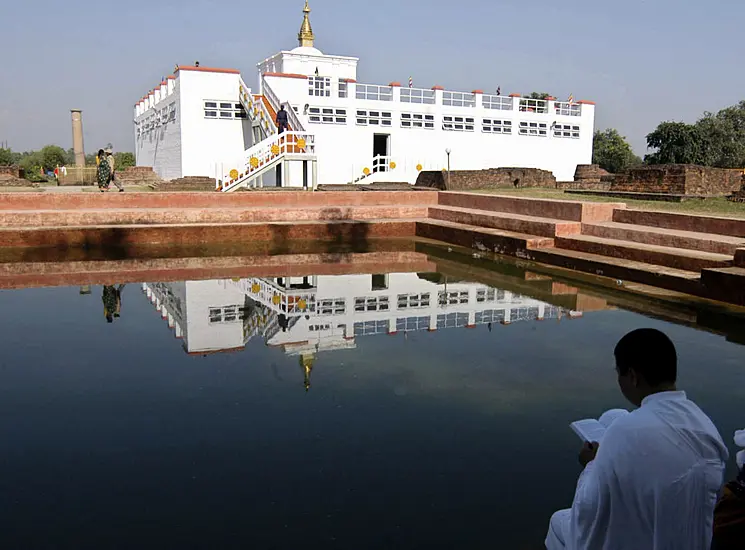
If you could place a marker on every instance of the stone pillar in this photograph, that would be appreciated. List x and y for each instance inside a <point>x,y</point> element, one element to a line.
<point>77,136</point>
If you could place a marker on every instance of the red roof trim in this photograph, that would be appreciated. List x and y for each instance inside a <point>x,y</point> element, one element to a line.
<point>437,88</point>
<point>585,102</point>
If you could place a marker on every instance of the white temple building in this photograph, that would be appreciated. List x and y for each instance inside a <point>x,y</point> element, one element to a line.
<point>205,121</point>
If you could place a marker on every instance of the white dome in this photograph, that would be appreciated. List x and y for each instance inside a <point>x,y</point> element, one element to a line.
<point>306,50</point>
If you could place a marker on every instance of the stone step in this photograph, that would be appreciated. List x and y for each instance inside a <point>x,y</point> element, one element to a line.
<point>546,208</point>
<point>740,257</point>
<point>159,216</point>
<point>734,227</point>
<point>518,223</point>
<point>707,242</point>
<point>345,232</point>
<point>480,238</point>
<point>296,199</point>
<point>689,260</point>
<point>679,280</point>
<point>725,284</point>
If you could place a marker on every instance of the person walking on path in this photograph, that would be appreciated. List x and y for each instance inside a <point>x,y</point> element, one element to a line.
<point>112,164</point>
<point>652,483</point>
<point>282,120</point>
<point>103,172</point>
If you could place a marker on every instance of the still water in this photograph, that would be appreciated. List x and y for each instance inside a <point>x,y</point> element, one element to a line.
<point>395,410</point>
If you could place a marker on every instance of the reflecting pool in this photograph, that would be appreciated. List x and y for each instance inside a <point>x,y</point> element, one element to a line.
<point>365,410</point>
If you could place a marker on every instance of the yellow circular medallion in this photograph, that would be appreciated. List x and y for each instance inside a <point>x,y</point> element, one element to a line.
<point>234,174</point>
<point>276,299</point>
<point>419,167</point>
<point>301,143</point>
<point>302,304</point>
<point>275,149</point>
<point>393,165</point>
<point>366,171</point>
<point>255,288</point>
<point>254,162</point>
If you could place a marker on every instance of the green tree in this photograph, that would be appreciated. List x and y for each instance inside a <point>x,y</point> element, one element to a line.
<point>6,157</point>
<point>612,152</point>
<point>124,160</point>
<point>538,95</point>
<point>722,137</point>
<point>676,143</point>
<point>53,156</point>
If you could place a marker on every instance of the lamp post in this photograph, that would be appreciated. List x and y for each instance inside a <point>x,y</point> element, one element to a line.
<point>447,152</point>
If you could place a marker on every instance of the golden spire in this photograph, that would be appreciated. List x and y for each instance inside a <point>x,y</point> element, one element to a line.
<point>305,37</point>
<point>306,362</point>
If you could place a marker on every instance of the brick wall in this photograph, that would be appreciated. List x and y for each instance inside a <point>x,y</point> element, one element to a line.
<point>491,178</point>
<point>13,171</point>
<point>679,179</point>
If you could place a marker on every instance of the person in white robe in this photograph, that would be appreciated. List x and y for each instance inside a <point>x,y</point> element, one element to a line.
<point>653,482</point>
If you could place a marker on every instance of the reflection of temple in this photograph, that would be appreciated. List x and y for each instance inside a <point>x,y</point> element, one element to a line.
<point>305,315</point>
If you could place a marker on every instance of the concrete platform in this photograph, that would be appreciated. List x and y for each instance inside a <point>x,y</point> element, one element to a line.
<point>733,227</point>
<point>725,284</point>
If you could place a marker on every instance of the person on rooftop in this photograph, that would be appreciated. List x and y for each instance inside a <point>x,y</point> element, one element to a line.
<point>653,482</point>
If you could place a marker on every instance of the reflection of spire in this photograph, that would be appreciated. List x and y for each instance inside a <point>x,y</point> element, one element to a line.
<point>305,37</point>
<point>306,361</point>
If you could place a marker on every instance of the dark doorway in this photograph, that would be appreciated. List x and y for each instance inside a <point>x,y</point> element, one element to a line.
<point>381,148</point>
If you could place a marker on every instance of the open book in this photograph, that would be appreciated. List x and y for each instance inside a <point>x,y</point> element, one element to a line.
<point>592,430</point>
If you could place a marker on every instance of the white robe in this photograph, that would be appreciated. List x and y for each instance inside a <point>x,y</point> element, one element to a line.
<point>652,486</point>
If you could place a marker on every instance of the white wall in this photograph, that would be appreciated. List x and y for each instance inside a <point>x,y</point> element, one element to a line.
<point>204,141</point>
<point>160,147</point>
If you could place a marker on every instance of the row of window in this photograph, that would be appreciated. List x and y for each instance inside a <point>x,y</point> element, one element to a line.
<point>320,86</point>
<point>226,110</point>
<point>158,118</point>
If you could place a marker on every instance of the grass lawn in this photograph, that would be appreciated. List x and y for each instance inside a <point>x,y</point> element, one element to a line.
<point>708,207</point>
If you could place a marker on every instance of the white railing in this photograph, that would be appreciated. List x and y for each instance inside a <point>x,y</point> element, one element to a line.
<point>392,168</point>
<point>539,106</point>
<point>263,156</point>
<point>568,109</point>
<point>294,120</point>
<point>278,299</point>
<point>256,110</point>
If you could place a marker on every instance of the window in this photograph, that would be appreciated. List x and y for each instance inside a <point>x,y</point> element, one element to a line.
<point>458,99</point>
<point>222,109</point>
<point>566,131</point>
<point>172,113</point>
<point>227,314</point>
<point>412,323</point>
<point>539,129</point>
<point>457,123</point>
<point>379,282</point>
<point>411,301</point>
<point>416,120</point>
<point>490,316</point>
<point>333,306</point>
<point>327,115</point>
<point>497,102</point>
<point>568,109</point>
<point>210,105</point>
<point>534,106</point>
<point>452,320</point>
<point>319,86</point>
<point>226,114</point>
<point>496,126</point>
<point>373,118</point>
<point>371,303</point>
<point>452,298</point>
<point>374,92</point>
<point>343,88</point>
<point>210,114</point>
<point>489,295</point>
<point>417,95</point>
<point>226,106</point>
<point>371,327</point>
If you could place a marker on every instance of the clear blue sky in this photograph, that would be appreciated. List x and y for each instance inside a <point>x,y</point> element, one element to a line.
<point>642,61</point>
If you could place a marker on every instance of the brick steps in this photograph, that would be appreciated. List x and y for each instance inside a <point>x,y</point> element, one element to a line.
<point>688,260</point>
<point>481,238</point>
<point>518,223</point>
<point>679,280</point>
<point>707,242</point>
<point>725,284</point>
<point>157,216</point>
<point>733,227</point>
<point>545,208</point>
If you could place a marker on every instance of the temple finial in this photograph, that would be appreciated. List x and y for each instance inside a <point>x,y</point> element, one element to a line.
<point>305,37</point>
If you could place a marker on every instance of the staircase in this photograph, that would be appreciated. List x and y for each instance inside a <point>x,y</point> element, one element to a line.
<point>699,255</point>
<point>273,149</point>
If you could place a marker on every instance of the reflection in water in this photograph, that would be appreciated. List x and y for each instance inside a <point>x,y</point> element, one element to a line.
<point>307,315</point>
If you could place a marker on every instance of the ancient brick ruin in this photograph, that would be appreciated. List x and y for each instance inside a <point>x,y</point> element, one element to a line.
<point>491,178</point>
